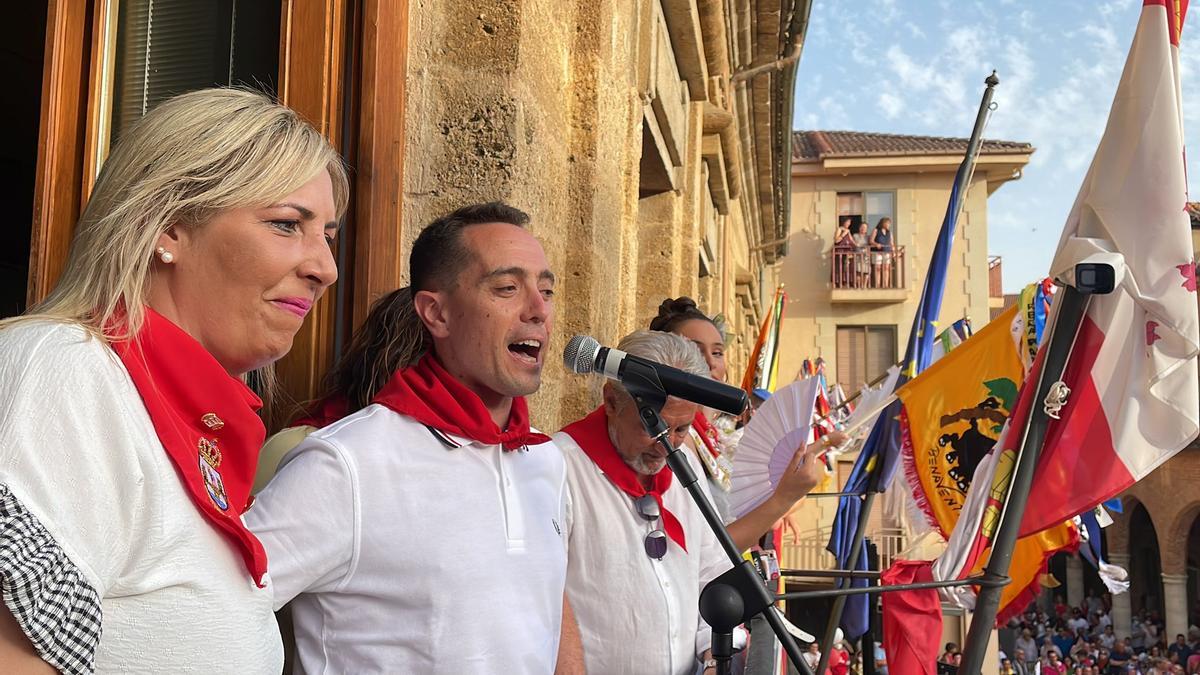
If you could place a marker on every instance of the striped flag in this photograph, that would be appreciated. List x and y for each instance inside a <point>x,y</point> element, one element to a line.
<point>762,372</point>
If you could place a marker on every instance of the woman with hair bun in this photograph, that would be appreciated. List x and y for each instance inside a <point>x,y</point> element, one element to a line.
<point>712,446</point>
<point>715,442</point>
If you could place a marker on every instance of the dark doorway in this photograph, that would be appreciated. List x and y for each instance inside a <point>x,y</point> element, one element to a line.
<point>22,49</point>
<point>1193,573</point>
<point>1145,566</point>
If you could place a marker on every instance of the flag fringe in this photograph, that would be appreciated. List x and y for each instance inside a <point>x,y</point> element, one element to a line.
<point>913,477</point>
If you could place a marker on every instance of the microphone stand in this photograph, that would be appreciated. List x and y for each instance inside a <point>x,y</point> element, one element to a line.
<point>739,594</point>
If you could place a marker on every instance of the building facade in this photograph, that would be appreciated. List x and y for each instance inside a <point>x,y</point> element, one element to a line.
<point>854,311</point>
<point>648,140</point>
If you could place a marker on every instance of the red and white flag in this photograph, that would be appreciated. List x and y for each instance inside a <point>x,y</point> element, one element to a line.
<point>1134,398</point>
<point>1132,372</point>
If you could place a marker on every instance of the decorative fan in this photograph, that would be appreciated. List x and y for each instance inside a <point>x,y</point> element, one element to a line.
<point>769,442</point>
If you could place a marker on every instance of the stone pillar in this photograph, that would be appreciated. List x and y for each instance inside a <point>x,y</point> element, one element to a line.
<point>1175,602</point>
<point>1122,610</point>
<point>1074,581</point>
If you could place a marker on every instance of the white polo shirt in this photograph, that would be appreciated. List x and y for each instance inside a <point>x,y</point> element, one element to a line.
<point>407,553</point>
<point>636,614</point>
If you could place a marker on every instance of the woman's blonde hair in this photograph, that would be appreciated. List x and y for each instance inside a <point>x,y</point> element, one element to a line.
<point>188,159</point>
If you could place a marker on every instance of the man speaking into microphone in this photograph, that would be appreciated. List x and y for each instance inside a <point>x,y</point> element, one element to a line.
<point>639,551</point>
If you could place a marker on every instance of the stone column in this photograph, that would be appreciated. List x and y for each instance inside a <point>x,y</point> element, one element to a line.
<point>1122,610</point>
<point>1175,602</point>
<point>1074,581</point>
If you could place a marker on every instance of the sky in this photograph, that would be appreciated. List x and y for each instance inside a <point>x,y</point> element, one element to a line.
<point>917,67</point>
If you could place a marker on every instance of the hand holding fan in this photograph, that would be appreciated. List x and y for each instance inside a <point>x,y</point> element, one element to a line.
<point>781,425</point>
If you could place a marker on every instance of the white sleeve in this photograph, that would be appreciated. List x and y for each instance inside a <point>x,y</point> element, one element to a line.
<point>73,496</point>
<point>307,519</point>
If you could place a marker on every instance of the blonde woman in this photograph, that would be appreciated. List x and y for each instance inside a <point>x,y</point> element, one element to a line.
<point>128,441</point>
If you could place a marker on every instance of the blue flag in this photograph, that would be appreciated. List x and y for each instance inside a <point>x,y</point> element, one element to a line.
<point>876,464</point>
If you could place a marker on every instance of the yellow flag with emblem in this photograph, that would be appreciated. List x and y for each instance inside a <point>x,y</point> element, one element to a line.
<point>952,415</point>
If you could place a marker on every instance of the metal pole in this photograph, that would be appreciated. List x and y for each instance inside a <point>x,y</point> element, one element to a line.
<point>1069,305</point>
<point>868,590</point>
<point>960,179</point>
<point>831,574</point>
<point>839,599</point>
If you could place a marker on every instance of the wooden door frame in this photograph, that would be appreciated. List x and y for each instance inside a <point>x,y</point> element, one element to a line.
<point>342,67</point>
<point>59,181</point>
<point>359,106</point>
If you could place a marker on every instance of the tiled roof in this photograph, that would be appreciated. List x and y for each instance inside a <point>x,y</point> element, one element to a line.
<point>810,146</point>
<point>1193,209</point>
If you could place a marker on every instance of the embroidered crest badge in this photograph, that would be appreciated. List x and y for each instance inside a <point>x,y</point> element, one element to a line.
<point>210,459</point>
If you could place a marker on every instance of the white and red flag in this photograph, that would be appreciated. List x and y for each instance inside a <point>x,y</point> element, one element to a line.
<point>1134,398</point>
<point>1132,371</point>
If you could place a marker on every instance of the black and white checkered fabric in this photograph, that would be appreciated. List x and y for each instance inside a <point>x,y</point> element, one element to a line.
<point>46,593</point>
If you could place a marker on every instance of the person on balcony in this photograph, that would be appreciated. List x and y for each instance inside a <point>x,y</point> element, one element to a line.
<point>862,260</point>
<point>843,260</point>
<point>881,244</point>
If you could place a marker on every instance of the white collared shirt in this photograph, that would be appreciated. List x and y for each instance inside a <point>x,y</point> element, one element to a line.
<point>405,553</point>
<point>636,615</point>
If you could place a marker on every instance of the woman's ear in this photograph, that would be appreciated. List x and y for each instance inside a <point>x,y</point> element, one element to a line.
<point>168,246</point>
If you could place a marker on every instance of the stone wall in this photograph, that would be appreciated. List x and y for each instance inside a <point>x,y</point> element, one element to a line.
<point>542,104</point>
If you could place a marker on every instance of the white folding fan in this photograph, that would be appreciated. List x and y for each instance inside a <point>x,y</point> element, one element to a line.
<point>769,442</point>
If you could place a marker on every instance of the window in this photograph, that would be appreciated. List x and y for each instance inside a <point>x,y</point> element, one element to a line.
<point>863,354</point>
<point>866,207</point>
<point>168,47</point>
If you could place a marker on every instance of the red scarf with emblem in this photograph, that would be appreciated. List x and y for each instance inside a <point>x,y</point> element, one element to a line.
<point>206,421</point>
<point>432,396</point>
<point>591,433</point>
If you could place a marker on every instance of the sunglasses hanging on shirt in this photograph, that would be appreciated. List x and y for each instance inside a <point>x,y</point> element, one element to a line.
<point>655,542</point>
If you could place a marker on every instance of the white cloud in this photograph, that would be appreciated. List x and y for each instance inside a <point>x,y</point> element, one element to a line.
<point>1058,66</point>
<point>891,105</point>
<point>833,114</point>
<point>886,11</point>
<point>1025,20</point>
<point>1104,37</point>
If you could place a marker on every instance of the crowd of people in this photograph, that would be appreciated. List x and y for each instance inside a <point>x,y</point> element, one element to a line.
<point>412,519</point>
<point>1083,641</point>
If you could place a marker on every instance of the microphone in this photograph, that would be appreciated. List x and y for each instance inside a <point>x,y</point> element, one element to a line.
<point>584,355</point>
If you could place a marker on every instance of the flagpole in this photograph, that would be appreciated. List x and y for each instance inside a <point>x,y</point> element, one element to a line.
<point>961,179</point>
<point>1069,308</point>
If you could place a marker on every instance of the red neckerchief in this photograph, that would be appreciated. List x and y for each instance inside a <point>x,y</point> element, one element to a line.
<point>429,394</point>
<point>324,412</point>
<point>591,433</point>
<point>707,433</point>
<point>206,421</point>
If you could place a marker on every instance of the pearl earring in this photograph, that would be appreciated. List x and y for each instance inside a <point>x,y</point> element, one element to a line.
<point>165,255</point>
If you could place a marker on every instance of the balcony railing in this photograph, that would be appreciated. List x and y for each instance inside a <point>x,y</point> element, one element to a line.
<point>995,278</point>
<point>807,551</point>
<point>854,269</point>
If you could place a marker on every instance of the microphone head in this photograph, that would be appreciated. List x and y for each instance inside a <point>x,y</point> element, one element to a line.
<point>580,354</point>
